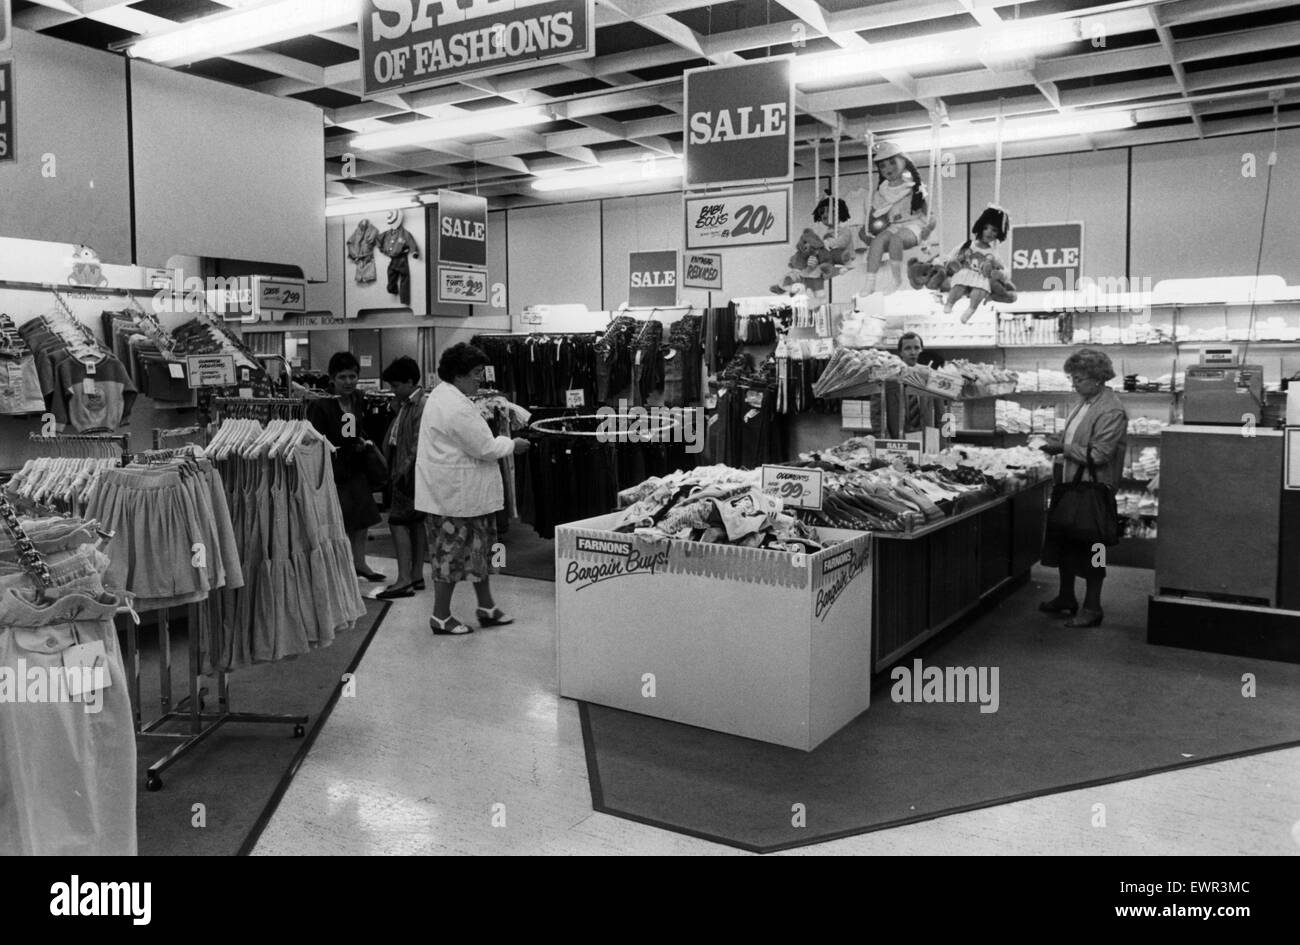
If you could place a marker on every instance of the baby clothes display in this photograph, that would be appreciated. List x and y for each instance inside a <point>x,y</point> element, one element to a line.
<point>397,244</point>
<point>20,388</point>
<point>82,384</point>
<point>67,743</point>
<point>361,250</point>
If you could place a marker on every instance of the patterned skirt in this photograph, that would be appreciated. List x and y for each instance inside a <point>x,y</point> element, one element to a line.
<point>460,549</point>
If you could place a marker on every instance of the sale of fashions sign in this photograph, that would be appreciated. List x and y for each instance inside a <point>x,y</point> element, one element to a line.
<point>1046,257</point>
<point>6,111</point>
<point>462,229</point>
<point>739,124</point>
<point>413,44</point>
<point>750,218</point>
<point>652,278</point>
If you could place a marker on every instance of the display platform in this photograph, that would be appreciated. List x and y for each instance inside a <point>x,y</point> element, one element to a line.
<point>763,644</point>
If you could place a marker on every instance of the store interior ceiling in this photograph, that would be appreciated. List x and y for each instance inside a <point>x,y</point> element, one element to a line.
<point>1183,69</point>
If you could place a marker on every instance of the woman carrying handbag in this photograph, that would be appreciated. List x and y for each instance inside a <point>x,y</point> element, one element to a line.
<point>1082,517</point>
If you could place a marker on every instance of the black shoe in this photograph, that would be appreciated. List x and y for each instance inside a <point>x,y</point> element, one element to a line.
<point>373,576</point>
<point>417,585</point>
<point>393,593</point>
<point>1057,608</point>
<point>493,617</point>
<point>451,627</point>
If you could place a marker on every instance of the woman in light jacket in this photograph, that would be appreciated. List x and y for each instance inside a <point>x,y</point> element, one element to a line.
<point>458,483</point>
<point>1097,424</point>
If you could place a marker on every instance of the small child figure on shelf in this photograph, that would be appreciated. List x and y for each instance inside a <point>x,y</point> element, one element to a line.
<point>976,259</point>
<point>898,214</point>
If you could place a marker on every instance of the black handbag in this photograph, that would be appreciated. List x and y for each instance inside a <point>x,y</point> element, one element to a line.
<point>1084,512</point>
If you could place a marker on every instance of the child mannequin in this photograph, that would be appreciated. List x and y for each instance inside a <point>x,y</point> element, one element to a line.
<point>977,258</point>
<point>897,214</point>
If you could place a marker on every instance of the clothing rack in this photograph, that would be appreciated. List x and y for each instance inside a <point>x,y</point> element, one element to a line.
<point>190,709</point>
<point>622,423</point>
<point>259,408</point>
<point>186,434</point>
<point>83,444</point>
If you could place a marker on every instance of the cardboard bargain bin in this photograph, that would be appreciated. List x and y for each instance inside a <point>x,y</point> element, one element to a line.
<point>763,644</point>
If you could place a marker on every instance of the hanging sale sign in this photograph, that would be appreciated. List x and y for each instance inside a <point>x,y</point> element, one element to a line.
<point>6,111</point>
<point>703,271</point>
<point>743,219</point>
<point>413,44</point>
<point>1046,257</point>
<point>652,278</point>
<point>462,229</point>
<point>739,124</point>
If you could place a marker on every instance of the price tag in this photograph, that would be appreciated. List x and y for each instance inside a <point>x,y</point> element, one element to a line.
<point>575,398</point>
<point>176,370</point>
<point>88,385</point>
<point>855,415</point>
<point>86,668</point>
<point>754,398</point>
<point>795,486</point>
<point>246,393</point>
<point>90,366</point>
<point>366,360</point>
<point>489,373</point>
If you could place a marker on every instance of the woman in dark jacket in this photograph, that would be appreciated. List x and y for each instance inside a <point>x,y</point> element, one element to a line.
<point>338,418</point>
<point>405,521</point>
<point>1097,426</point>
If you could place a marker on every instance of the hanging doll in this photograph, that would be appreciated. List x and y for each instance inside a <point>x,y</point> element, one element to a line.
<point>821,214</point>
<point>898,217</point>
<point>977,259</point>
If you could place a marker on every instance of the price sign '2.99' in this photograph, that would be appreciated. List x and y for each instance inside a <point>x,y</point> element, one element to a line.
<point>741,219</point>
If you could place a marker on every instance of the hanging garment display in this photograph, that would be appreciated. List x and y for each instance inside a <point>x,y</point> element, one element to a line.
<point>148,352</point>
<point>20,387</point>
<point>397,244</point>
<point>67,744</point>
<point>614,359</point>
<point>746,429</point>
<point>361,250</point>
<point>682,355</point>
<point>540,370</point>
<point>82,383</point>
<point>299,587</point>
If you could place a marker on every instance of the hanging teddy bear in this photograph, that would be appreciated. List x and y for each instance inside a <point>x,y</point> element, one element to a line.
<point>815,259</point>
<point>86,267</point>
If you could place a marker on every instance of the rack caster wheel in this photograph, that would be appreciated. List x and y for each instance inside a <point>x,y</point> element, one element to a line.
<point>153,783</point>
<point>299,731</point>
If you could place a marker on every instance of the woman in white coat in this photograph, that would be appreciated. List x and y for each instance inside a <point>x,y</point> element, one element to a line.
<point>458,484</point>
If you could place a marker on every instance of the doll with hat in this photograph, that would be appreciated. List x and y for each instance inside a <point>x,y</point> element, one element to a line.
<point>898,217</point>
<point>977,260</point>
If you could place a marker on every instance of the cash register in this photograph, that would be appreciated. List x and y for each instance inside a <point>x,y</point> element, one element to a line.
<point>1222,393</point>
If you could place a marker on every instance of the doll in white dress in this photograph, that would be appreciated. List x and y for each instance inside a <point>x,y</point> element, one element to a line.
<point>976,260</point>
<point>898,214</point>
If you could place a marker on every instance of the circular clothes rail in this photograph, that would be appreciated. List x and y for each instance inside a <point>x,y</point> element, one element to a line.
<point>612,427</point>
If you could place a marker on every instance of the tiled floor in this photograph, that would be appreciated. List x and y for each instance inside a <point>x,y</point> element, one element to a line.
<point>461,745</point>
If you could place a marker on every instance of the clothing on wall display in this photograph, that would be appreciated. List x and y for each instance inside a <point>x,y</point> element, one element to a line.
<point>83,385</point>
<point>539,370</point>
<point>361,250</point>
<point>147,351</point>
<point>398,244</point>
<point>20,387</point>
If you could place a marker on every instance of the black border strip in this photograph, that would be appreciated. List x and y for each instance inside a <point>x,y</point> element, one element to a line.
<point>268,811</point>
<point>1128,219</point>
<point>598,796</point>
<point>130,159</point>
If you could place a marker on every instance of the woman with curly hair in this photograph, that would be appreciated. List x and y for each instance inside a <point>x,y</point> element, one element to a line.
<point>1096,430</point>
<point>458,483</point>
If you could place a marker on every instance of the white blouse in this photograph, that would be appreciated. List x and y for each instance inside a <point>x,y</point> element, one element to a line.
<point>456,472</point>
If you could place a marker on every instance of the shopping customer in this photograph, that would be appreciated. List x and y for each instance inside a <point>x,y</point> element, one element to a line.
<point>338,418</point>
<point>458,482</point>
<point>1097,427</point>
<point>405,521</point>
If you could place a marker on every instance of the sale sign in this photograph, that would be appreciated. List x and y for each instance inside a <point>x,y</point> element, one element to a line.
<point>652,278</point>
<point>283,295</point>
<point>462,229</point>
<point>413,44</point>
<point>703,271</point>
<point>1046,257</point>
<point>739,124</point>
<point>739,219</point>
<point>458,286</point>
<point>6,111</point>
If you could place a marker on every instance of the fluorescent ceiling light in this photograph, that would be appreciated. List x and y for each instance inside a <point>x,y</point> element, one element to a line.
<point>970,134</point>
<point>245,28</point>
<point>441,129</point>
<point>375,204</point>
<point>992,42</point>
<point>624,172</point>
